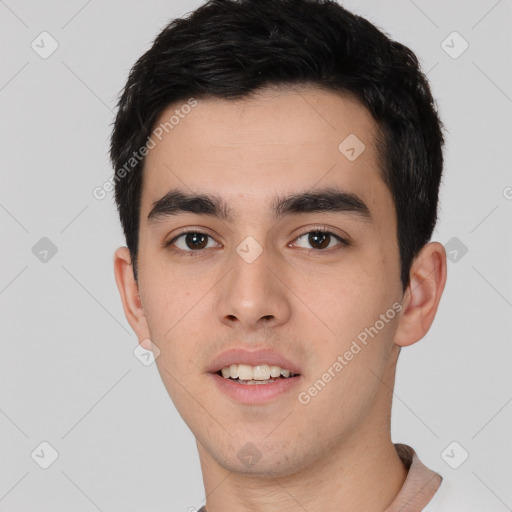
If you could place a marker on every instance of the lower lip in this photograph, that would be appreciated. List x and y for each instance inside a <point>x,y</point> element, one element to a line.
<point>255,393</point>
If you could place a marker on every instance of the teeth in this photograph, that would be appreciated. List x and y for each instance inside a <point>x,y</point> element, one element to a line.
<point>262,372</point>
<point>245,372</point>
<point>275,371</point>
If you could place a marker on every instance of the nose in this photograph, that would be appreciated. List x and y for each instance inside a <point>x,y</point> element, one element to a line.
<point>253,294</point>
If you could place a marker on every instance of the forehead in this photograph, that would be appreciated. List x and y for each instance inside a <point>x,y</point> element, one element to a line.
<point>276,141</point>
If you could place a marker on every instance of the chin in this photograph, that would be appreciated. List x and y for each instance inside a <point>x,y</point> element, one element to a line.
<point>248,456</point>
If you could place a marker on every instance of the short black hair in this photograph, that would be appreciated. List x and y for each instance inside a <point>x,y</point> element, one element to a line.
<point>229,49</point>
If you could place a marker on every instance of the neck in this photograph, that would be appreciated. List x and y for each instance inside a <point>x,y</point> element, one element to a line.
<point>359,475</point>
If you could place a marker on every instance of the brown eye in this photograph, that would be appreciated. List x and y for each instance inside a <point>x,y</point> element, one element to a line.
<point>321,240</point>
<point>196,240</point>
<point>190,242</point>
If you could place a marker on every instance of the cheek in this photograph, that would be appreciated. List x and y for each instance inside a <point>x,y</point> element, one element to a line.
<point>175,315</point>
<point>350,314</point>
<point>172,307</point>
<point>343,300</point>
<point>169,291</point>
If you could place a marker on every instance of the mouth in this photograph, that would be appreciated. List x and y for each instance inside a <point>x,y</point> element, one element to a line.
<point>255,377</point>
<point>261,374</point>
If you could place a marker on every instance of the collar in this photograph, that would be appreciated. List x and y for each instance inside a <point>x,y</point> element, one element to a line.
<point>420,484</point>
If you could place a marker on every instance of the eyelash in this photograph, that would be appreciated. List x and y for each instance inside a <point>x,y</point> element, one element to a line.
<point>196,253</point>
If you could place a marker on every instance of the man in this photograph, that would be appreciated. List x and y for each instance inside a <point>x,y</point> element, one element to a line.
<point>277,172</point>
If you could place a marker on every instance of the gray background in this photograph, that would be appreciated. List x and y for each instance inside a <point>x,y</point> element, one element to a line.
<point>68,373</point>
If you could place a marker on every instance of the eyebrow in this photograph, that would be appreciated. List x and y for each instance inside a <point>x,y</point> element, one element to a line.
<point>331,200</point>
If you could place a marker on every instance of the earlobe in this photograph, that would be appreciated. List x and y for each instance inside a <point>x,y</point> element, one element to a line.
<point>421,300</point>
<point>129,292</point>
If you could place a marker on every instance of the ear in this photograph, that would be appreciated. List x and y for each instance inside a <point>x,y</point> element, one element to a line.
<point>129,291</point>
<point>422,296</point>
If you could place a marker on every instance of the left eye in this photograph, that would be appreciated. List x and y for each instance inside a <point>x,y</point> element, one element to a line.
<point>191,241</point>
<point>321,239</point>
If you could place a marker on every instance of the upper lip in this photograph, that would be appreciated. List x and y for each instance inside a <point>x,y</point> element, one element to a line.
<point>252,358</point>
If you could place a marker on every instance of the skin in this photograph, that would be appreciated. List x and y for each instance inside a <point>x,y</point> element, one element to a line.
<point>335,453</point>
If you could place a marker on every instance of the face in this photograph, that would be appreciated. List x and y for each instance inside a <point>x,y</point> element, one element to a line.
<point>293,262</point>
